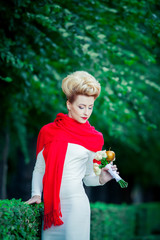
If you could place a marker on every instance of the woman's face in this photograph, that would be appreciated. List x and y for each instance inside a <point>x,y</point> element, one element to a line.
<point>81,109</point>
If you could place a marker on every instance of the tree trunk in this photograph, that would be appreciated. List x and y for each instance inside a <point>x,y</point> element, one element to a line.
<point>4,166</point>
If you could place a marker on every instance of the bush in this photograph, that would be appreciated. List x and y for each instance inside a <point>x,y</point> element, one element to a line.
<point>150,237</point>
<point>148,219</point>
<point>108,221</point>
<point>19,220</point>
<point>113,222</point>
<point>125,222</point>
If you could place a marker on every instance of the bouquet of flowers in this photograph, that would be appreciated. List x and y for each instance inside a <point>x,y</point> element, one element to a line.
<point>103,158</point>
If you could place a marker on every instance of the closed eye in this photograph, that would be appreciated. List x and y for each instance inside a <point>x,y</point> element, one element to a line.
<point>81,107</point>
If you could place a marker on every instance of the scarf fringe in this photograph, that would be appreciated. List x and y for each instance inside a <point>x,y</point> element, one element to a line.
<point>52,218</point>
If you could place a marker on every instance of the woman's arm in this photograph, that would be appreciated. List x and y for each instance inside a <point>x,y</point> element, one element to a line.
<point>37,178</point>
<point>90,179</point>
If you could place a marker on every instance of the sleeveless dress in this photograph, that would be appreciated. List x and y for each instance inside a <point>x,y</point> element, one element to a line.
<point>78,168</point>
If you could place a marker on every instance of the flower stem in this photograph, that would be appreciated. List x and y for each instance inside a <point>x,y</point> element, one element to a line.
<point>122,183</point>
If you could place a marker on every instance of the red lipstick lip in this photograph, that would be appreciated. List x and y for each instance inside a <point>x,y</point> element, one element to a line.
<point>84,118</point>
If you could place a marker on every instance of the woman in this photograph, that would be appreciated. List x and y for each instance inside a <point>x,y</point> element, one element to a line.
<point>65,153</point>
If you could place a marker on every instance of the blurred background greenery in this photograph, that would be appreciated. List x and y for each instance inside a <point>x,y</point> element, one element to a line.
<point>116,41</point>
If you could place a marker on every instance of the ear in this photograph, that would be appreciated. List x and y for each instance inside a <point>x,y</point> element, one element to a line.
<point>68,105</point>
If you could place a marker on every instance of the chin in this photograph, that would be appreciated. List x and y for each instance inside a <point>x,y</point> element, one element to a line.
<point>83,120</point>
<point>80,120</point>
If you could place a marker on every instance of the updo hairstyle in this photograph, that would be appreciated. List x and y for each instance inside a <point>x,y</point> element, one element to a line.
<point>80,83</point>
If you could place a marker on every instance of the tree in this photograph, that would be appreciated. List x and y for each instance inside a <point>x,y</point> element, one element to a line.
<point>117,42</point>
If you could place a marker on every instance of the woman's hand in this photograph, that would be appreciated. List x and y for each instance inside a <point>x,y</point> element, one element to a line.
<point>105,176</point>
<point>34,199</point>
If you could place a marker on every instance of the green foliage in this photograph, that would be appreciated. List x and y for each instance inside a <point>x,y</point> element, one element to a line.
<point>125,222</point>
<point>19,220</point>
<point>151,237</point>
<point>116,41</point>
<point>104,162</point>
<point>114,222</point>
<point>148,219</point>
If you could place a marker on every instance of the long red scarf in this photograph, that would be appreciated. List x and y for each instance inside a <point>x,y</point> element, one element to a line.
<point>54,138</point>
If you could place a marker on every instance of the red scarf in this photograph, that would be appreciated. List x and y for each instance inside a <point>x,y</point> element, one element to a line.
<point>54,138</point>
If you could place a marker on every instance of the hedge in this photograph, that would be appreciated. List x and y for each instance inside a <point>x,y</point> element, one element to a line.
<point>108,221</point>
<point>148,219</point>
<point>125,222</point>
<point>19,220</point>
<point>113,222</point>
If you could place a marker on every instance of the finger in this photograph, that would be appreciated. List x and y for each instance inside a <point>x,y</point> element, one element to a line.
<point>114,168</point>
<point>38,201</point>
<point>27,202</point>
<point>114,165</point>
<point>30,201</point>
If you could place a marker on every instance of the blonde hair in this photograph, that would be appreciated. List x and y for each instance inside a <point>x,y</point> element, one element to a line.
<point>80,83</point>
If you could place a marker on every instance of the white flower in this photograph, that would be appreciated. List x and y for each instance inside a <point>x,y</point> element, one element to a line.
<point>100,154</point>
<point>96,169</point>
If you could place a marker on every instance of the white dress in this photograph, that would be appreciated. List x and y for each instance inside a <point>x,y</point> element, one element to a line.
<point>78,168</point>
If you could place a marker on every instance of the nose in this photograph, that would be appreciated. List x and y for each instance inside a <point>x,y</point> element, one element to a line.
<point>86,111</point>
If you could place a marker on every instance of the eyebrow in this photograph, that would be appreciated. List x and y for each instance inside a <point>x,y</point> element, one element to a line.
<point>85,104</point>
